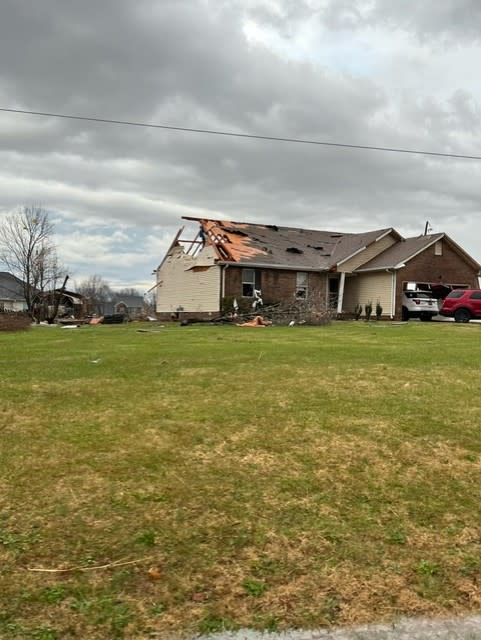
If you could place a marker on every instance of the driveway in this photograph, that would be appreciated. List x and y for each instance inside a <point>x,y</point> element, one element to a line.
<point>468,628</point>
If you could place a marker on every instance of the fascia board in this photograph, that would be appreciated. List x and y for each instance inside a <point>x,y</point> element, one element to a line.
<point>257,265</point>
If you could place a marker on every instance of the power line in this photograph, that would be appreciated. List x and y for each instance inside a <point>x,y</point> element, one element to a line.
<point>241,135</point>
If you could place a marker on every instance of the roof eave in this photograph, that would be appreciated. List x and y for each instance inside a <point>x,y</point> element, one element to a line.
<point>380,268</point>
<point>260,265</point>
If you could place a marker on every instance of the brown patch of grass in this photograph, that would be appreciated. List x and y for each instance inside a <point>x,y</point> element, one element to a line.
<point>310,487</point>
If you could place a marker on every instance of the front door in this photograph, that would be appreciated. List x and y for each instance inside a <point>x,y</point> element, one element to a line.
<point>333,291</point>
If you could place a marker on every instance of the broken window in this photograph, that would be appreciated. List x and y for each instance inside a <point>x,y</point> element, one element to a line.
<point>251,279</point>
<point>301,285</point>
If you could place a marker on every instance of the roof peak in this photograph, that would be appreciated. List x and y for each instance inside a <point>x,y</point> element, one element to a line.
<point>334,232</point>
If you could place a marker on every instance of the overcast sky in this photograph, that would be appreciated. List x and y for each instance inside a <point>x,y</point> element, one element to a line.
<point>369,72</point>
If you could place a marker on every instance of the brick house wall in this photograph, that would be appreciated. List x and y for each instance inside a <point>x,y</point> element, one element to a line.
<point>277,285</point>
<point>448,268</point>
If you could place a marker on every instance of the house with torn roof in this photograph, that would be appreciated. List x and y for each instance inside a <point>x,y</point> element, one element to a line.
<point>336,270</point>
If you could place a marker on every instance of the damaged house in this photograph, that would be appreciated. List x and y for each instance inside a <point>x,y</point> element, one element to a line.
<point>58,303</point>
<point>333,270</point>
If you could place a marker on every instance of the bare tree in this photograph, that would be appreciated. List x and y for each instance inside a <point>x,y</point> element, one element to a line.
<point>129,291</point>
<point>28,251</point>
<point>96,291</point>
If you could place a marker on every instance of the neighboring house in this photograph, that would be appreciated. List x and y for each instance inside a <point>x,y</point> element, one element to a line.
<point>130,306</point>
<point>12,296</point>
<point>334,270</point>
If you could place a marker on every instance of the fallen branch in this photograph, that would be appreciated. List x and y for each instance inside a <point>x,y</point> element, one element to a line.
<point>117,563</point>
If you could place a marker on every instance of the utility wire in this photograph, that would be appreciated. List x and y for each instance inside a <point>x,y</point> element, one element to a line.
<point>242,135</point>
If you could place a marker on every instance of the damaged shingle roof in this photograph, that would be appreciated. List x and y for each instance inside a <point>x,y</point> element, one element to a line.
<point>288,247</point>
<point>400,252</point>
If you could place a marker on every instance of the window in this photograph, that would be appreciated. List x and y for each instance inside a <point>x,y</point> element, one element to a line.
<point>438,248</point>
<point>476,295</point>
<point>459,293</point>
<point>251,279</point>
<point>301,285</point>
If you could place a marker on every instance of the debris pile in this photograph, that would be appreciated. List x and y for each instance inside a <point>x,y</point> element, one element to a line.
<point>282,313</point>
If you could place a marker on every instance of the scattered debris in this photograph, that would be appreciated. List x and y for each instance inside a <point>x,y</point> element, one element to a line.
<point>258,321</point>
<point>199,596</point>
<point>115,318</point>
<point>116,563</point>
<point>148,331</point>
<point>154,573</point>
<point>294,250</point>
<point>257,302</point>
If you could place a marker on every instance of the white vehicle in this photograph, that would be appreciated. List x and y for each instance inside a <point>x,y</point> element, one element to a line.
<point>419,304</point>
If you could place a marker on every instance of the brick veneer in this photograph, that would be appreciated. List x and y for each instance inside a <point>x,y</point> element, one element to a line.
<point>449,268</point>
<point>277,285</point>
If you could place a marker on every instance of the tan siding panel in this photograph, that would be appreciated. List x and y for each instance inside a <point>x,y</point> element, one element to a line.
<point>189,283</point>
<point>351,294</point>
<point>369,287</point>
<point>369,253</point>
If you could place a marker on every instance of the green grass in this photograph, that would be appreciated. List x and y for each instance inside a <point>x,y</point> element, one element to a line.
<point>272,478</point>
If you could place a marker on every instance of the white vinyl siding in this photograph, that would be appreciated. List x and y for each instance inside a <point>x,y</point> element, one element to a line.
<point>192,284</point>
<point>13,305</point>
<point>367,254</point>
<point>368,287</point>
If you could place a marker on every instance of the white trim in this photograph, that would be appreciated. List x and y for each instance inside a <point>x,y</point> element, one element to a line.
<point>383,235</point>
<point>222,283</point>
<point>393,294</point>
<point>263,265</point>
<point>388,268</point>
<point>340,293</point>
<point>386,233</point>
<point>441,236</point>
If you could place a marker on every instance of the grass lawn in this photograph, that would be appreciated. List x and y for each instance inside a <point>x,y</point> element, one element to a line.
<point>202,478</point>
